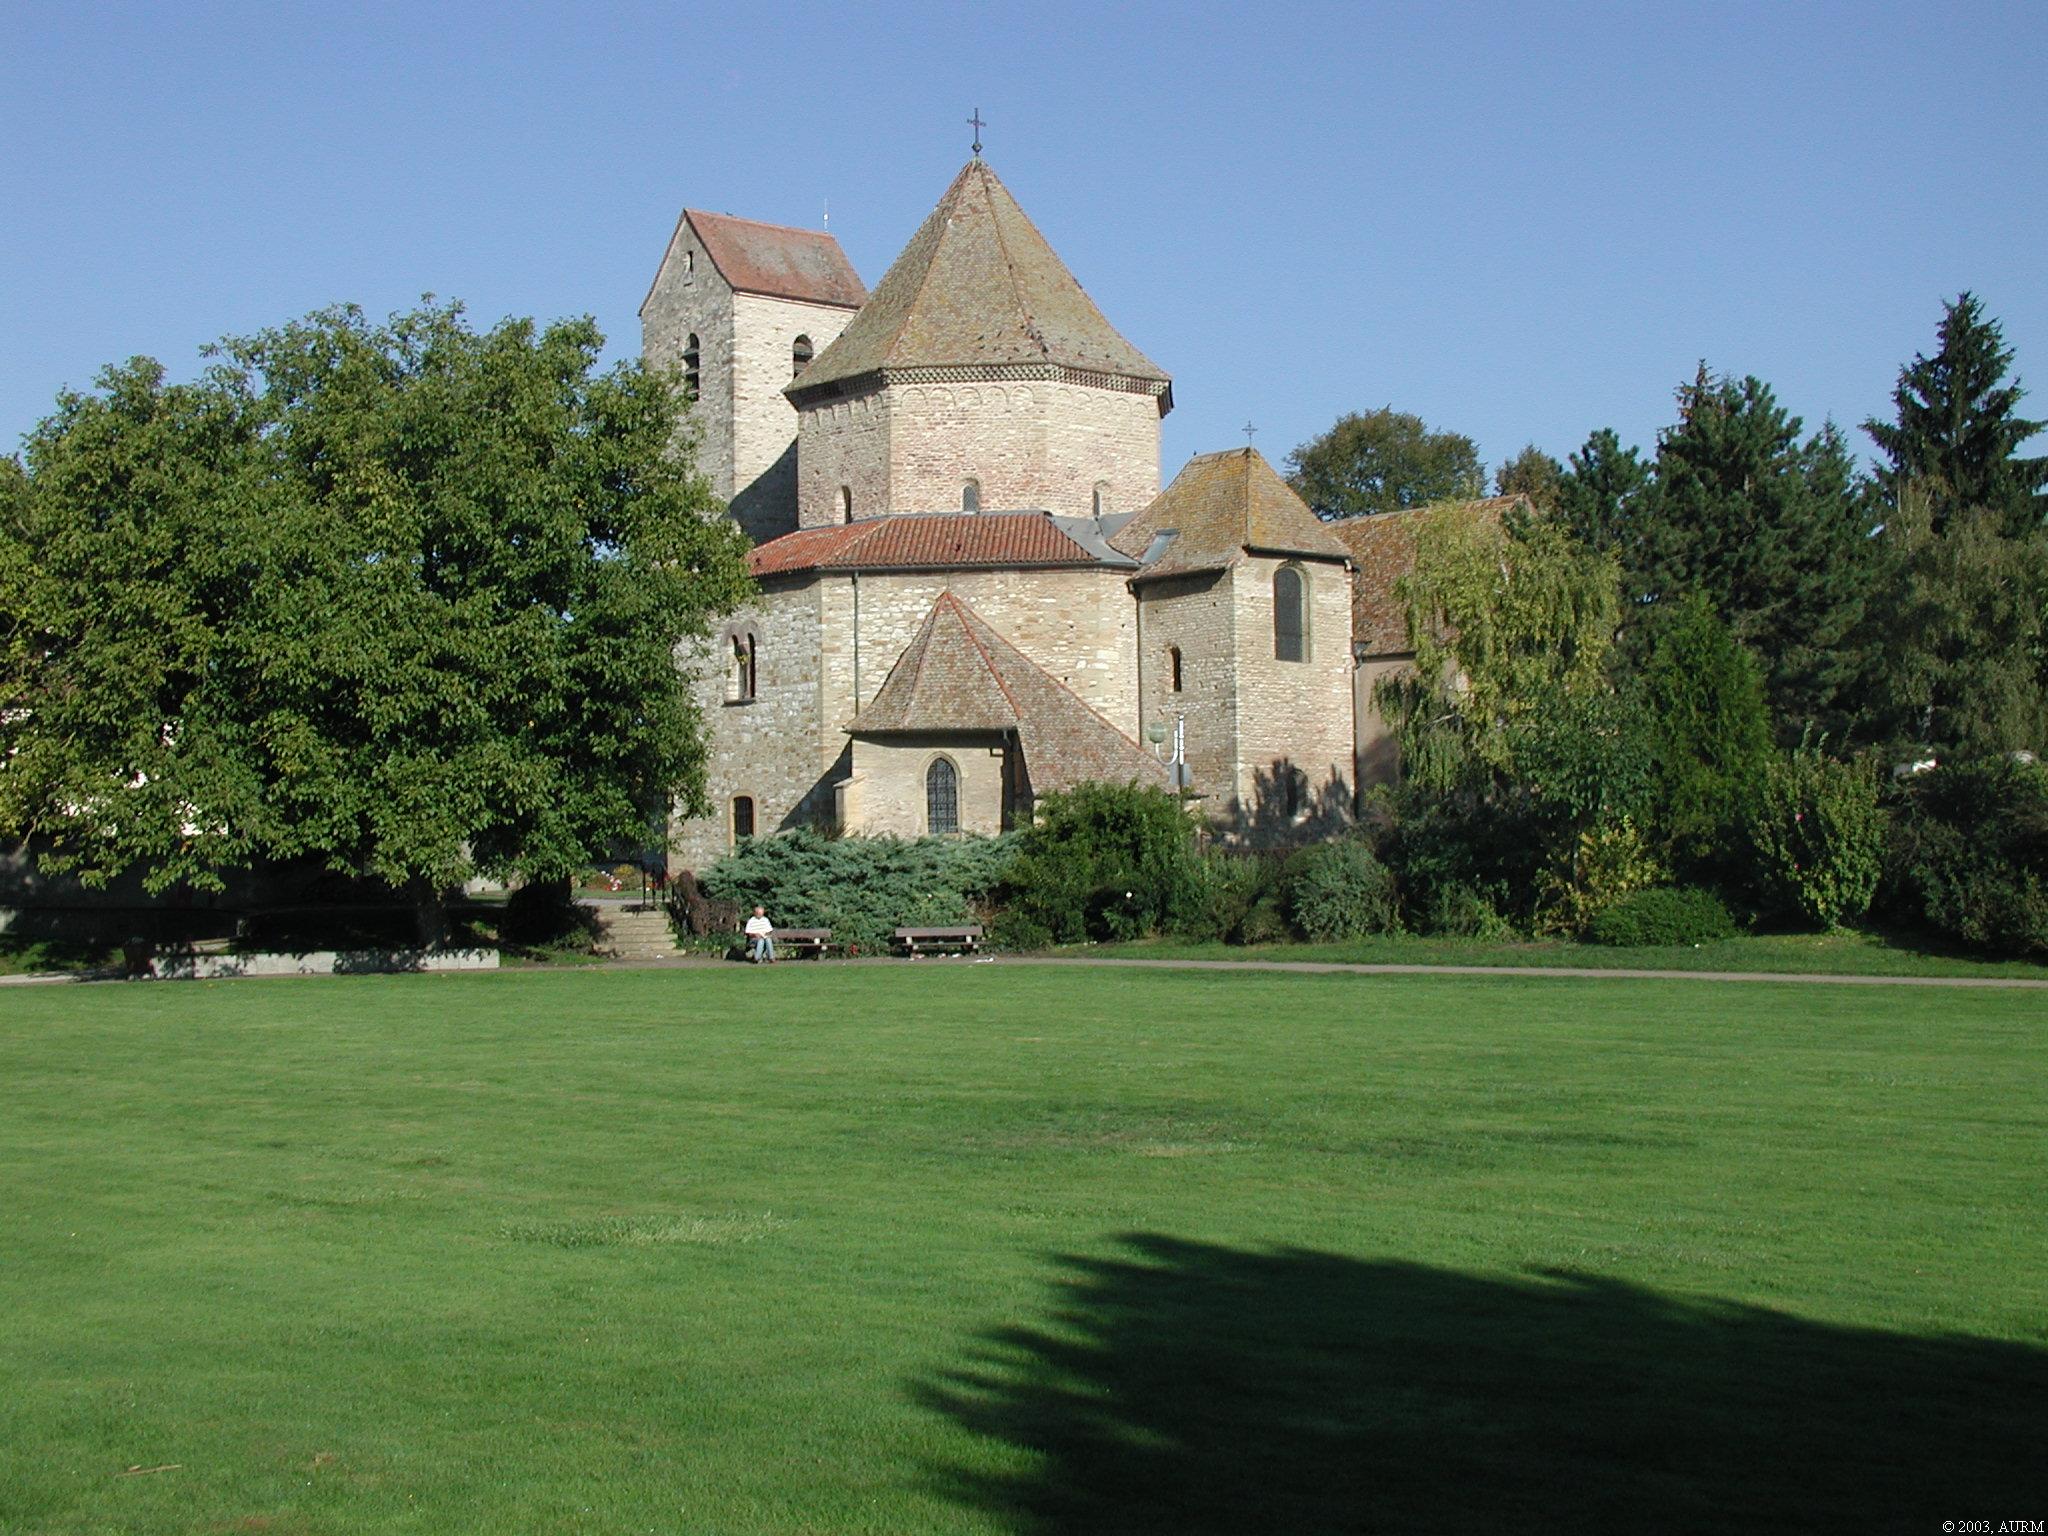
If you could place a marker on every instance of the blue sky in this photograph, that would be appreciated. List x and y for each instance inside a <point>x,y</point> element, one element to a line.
<point>1520,222</point>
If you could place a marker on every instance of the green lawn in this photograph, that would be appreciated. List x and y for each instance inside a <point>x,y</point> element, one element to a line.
<point>962,1247</point>
<point>1848,953</point>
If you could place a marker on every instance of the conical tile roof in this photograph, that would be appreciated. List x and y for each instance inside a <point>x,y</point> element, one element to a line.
<point>978,286</point>
<point>960,675</point>
<point>1220,506</point>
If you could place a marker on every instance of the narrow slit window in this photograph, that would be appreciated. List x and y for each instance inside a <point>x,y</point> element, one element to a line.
<point>742,816</point>
<point>846,501</point>
<point>692,373</point>
<point>1173,665</point>
<point>942,796</point>
<point>1290,614</point>
<point>799,355</point>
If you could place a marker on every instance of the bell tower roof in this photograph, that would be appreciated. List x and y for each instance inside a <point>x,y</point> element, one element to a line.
<point>979,290</point>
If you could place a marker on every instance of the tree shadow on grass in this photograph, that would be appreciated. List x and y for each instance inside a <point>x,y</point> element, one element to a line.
<point>1182,1387</point>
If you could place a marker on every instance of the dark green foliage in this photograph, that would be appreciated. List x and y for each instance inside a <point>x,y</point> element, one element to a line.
<point>1106,861</point>
<point>1664,916</point>
<point>1382,461</point>
<point>1534,474</point>
<point>1958,431</point>
<point>540,914</point>
<point>862,888</point>
<point>1962,636</point>
<point>1233,887</point>
<point>1701,695</point>
<point>401,598</point>
<point>1339,891</point>
<point>1462,912</point>
<point>1774,531</point>
<point>1969,855</point>
<point>1817,837</point>
<point>1604,496</point>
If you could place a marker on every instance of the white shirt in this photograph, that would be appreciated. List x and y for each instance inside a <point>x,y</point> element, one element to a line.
<point>759,927</point>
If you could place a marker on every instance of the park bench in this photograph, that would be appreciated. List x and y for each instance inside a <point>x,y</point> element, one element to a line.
<point>915,941</point>
<point>803,941</point>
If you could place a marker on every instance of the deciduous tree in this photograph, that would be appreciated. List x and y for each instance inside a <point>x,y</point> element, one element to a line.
<point>1383,461</point>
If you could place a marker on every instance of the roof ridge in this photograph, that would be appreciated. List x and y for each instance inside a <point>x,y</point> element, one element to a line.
<point>1129,741</point>
<point>968,619</point>
<point>737,218</point>
<point>1009,263</point>
<point>924,650</point>
<point>931,265</point>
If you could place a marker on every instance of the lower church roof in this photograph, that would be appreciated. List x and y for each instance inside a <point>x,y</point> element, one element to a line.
<point>960,675</point>
<point>939,541</point>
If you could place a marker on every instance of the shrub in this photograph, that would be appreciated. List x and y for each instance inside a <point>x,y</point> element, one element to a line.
<point>1106,861</point>
<point>1229,886</point>
<point>1664,915</point>
<point>1339,891</point>
<point>862,888</point>
<point>1969,855</point>
<point>1464,912</point>
<point>1817,836</point>
<point>541,915</point>
<point>1607,864</point>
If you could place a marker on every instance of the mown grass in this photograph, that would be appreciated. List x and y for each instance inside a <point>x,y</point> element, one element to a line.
<point>991,1248</point>
<point>1847,953</point>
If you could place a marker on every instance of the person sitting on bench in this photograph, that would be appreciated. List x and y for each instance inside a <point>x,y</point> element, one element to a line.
<point>761,937</point>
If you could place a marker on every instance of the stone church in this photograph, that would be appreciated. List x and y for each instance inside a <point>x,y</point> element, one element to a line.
<point>972,588</point>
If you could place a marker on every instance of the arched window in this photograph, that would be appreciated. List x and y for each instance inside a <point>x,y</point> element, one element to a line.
<point>799,355</point>
<point>942,796</point>
<point>692,375</point>
<point>846,501</point>
<point>1173,665</point>
<point>739,681</point>
<point>1290,614</point>
<point>1101,497</point>
<point>742,816</point>
<point>970,496</point>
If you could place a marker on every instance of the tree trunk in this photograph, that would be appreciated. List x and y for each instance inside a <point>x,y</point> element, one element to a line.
<point>430,914</point>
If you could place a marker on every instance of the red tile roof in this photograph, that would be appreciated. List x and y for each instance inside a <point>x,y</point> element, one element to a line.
<point>943,541</point>
<point>778,261</point>
<point>1219,506</point>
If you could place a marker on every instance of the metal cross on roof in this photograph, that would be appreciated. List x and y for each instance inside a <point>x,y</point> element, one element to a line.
<point>1249,432</point>
<point>977,125</point>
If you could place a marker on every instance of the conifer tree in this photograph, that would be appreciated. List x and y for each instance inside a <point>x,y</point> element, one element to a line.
<point>1958,430</point>
<point>1774,531</point>
<point>1604,493</point>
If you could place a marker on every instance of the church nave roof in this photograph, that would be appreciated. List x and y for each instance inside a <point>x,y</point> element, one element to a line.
<point>941,541</point>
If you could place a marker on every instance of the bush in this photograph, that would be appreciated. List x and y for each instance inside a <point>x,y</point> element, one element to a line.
<point>862,888</point>
<point>1106,861</point>
<point>1969,856</point>
<point>1817,837</point>
<point>1339,891</point>
<point>541,915</point>
<point>1464,912</point>
<point>1664,915</point>
<point>1229,886</point>
<point>1608,864</point>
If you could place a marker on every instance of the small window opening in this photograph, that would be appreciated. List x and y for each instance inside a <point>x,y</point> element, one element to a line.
<point>739,686</point>
<point>692,376</point>
<point>1101,497</point>
<point>742,816</point>
<point>799,356</point>
<point>846,501</point>
<point>1290,614</point>
<point>689,262</point>
<point>942,796</point>
<point>1173,665</point>
<point>970,496</point>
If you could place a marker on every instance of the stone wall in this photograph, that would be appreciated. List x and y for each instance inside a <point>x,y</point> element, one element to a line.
<point>689,296</point>
<point>886,793</point>
<point>764,423</point>
<point>1194,613</point>
<point>843,449</point>
<point>1373,743</point>
<point>1292,715</point>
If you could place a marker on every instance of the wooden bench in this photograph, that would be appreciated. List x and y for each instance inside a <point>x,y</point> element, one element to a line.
<point>915,941</point>
<point>803,941</point>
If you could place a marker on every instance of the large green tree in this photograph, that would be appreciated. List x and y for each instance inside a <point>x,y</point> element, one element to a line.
<point>1958,429</point>
<point>1604,494</point>
<point>1775,530</point>
<point>404,598</point>
<point>1534,474</point>
<point>1383,461</point>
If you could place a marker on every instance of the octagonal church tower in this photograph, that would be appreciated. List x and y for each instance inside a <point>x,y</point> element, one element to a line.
<point>979,375</point>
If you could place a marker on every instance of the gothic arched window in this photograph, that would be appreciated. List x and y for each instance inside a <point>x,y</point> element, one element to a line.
<point>942,796</point>
<point>1290,614</point>
<point>799,356</point>
<point>692,375</point>
<point>970,496</point>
